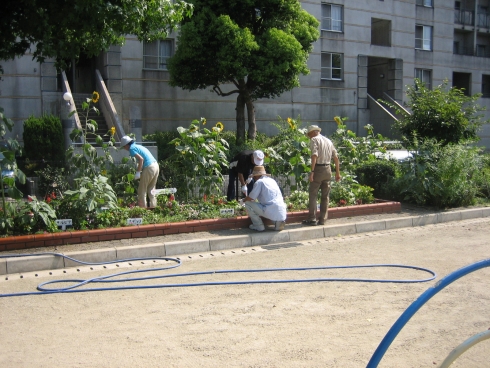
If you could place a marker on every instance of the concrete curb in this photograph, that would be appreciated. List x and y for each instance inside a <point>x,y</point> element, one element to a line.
<point>10,265</point>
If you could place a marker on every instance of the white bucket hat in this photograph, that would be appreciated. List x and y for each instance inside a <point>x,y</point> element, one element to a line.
<point>312,128</point>
<point>259,157</point>
<point>125,140</point>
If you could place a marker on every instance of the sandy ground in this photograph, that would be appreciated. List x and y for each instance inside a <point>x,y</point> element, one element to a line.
<point>307,324</point>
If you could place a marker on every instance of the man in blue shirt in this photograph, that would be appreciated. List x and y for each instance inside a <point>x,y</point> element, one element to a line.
<point>147,170</point>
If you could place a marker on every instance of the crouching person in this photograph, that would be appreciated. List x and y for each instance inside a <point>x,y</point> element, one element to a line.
<point>265,200</point>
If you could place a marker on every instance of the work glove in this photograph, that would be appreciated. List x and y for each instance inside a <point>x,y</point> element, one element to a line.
<point>137,175</point>
<point>244,190</point>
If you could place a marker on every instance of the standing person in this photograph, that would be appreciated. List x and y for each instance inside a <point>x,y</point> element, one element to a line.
<point>322,152</point>
<point>147,170</point>
<point>241,167</point>
<point>265,200</point>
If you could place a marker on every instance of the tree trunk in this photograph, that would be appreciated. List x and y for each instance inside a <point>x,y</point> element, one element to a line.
<point>240,119</point>
<point>252,128</point>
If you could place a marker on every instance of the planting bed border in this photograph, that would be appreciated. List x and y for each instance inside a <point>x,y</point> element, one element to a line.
<point>146,231</point>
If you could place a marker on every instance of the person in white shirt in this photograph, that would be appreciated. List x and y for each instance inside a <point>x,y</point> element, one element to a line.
<point>265,200</point>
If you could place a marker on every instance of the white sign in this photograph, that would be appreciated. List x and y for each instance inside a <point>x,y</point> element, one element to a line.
<point>135,221</point>
<point>157,192</point>
<point>64,223</point>
<point>226,211</point>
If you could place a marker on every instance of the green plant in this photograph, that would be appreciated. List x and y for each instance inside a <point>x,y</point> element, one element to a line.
<point>26,217</point>
<point>353,150</point>
<point>444,114</point>
<point>43,140</point>
<point>291,155</point>
<point>442,176</point>
<point>201,154</point>
<point>88,163</point>
<point>52,180</point>
<point>377,175</point>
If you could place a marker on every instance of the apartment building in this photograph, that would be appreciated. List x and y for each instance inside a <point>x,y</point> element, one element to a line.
<point>367,50</point>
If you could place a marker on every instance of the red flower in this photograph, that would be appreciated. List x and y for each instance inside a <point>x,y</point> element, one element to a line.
<point>172,198</point>
<point>205,197</point>
<point>53,195</point>
<point>342,202</point>
<point>29,199</point>
<point>48,199</point>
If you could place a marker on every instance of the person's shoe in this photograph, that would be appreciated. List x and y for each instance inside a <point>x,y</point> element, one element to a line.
<point>279,225</point>
<point>257,228</point>
<point>309,222</point>
<point>321,223</point>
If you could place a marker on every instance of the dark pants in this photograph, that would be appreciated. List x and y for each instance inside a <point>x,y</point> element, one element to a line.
<point>233,180</point>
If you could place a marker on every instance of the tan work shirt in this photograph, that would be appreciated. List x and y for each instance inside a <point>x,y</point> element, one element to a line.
<point>323,148</point>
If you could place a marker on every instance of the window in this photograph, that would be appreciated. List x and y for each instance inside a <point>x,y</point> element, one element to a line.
<point>481,50</point>
<point>424,3</point>
<point>156,54</point>
<point>380,32</point>
<point>485,86</point>
<point>424,75</point>
<point>423,37</point>
<point>331,66</point>
<point>331,17</point>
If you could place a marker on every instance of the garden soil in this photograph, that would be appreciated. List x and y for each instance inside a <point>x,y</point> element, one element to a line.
<point>301,324</point>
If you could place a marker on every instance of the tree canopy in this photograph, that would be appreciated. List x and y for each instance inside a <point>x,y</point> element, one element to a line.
<point>64,29</point>
<point>444,114</point>
<point>257,48</point>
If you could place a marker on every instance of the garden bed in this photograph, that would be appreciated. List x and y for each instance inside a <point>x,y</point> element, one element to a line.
<point>147,231</point>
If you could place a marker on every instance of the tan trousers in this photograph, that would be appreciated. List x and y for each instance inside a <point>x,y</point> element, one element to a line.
<point>321,181</point>
<point>148,181</point>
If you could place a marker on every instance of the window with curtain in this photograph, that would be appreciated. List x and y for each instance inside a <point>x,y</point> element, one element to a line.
<point>331,66</point>
<point>423,37</point>
<point>332,17</point>
<point>425,76</point>
<point>156,54</point>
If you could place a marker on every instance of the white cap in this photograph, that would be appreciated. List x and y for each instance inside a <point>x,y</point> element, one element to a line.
<point>259,158</point>
<point>125,140</point>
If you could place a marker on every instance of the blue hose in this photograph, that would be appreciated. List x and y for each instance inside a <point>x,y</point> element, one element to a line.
<point>417,304</point>
<point>75,288</point>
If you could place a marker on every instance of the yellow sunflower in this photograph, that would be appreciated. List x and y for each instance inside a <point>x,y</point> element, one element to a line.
<point>112,131</point>
<point>220,126</point>
<point>95,97</point>
<point>291,123</point>
<point>337,120</point>
<point>203,121</point>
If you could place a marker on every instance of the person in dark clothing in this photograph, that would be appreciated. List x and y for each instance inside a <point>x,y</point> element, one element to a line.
<point>241,167</point>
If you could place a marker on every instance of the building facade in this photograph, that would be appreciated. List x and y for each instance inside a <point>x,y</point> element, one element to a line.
<point>367,50</point>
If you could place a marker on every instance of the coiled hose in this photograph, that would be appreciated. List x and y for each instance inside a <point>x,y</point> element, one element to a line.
<point>77,283</point>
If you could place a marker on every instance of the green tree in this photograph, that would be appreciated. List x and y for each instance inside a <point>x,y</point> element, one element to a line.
<point>258,48</point>
<point>444,114</point>
<point>63,29</point>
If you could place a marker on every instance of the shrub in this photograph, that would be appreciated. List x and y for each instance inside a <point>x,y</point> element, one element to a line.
<point>43,140</point>
<point>442,176</point>
<point>377,175</point>
<point>444,114</point>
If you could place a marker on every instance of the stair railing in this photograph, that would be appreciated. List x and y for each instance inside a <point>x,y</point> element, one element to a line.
<point>107,107</point>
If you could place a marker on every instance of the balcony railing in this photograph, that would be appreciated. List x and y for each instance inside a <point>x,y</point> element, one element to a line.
<point>483,20</point>
<point>464,17</point>
<point>470,51</point>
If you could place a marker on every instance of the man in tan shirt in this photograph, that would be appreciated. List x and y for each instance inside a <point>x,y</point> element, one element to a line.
<point>322,152</point>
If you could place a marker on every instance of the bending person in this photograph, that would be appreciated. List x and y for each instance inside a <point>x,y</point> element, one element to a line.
<point>240,168</point>
<point>265,200</point>
<point>147,170</point>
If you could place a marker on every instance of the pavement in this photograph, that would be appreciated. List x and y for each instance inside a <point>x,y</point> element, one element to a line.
<point>176,245</point>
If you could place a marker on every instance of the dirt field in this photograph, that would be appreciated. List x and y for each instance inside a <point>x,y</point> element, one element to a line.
<point>314,324</point>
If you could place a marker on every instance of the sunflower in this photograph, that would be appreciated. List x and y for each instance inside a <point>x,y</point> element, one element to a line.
<point>203,121</point>
<point>337,120</point>
<point>291,123</point>
<point>112,131</point>
<point>220,126</point>
<point>95,97</point>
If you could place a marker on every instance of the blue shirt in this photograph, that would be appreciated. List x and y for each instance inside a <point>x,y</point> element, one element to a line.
<point>144,152</point>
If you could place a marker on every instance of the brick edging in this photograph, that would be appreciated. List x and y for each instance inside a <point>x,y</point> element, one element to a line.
<point>144,231</point>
